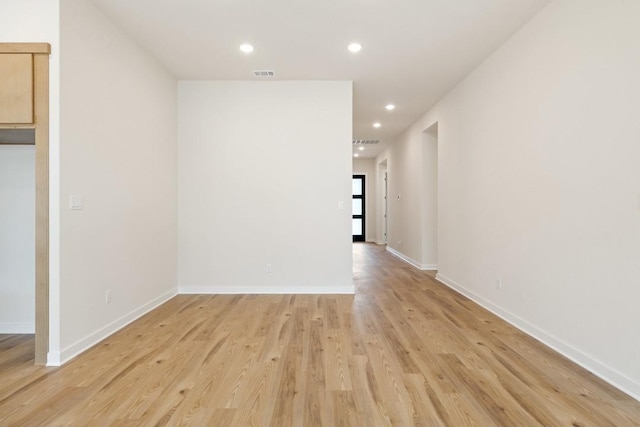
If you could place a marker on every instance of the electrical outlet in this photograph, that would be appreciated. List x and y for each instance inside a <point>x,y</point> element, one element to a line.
<point>76,203</point>
<point>268,268</point>
<point>499,284</point>
<point>107,297</point>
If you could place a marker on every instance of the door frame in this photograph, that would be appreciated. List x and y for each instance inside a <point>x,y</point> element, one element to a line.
<point>363,177</point>
<point>386,206</point>
<point>40,52</point>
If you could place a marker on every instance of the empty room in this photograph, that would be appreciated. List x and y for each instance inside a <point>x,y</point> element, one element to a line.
<point>288,213</point>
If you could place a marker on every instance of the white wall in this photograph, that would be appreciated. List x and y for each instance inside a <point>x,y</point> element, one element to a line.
<point>538,183</point>
<point>406,200</point>
<point>367,167</point>
<point>37,21</point>
<point>250,196</point>
<point>17,239</point>
<point>118,136</point>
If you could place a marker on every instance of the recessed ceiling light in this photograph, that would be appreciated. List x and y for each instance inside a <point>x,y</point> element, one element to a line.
<point>390,107</point>
<point>246,48</point>
<point>361,148</point>
<point>377,125</point>
<point>354,47</point>
<point>356,155</point>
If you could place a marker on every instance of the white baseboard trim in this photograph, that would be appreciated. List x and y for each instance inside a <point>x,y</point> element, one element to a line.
<point>17,328</point>
<point>608,374</point>
<point>286,290</point>
<point>59,358</point>
<point>380,242</point>
<point>413,262</point>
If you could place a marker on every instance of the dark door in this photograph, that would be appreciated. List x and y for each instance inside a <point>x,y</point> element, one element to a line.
<point>358,211</point>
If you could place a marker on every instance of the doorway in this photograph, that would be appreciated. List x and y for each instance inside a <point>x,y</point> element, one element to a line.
<point>381,205</point>
<point>358,213</point>
<point>25,121</point>
<point>386,208</point>
<point>429,186</point>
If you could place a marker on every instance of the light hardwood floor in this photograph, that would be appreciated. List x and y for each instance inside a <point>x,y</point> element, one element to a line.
<point>405,350</point>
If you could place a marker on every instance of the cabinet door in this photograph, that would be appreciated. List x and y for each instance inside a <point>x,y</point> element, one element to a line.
<point>16,88</point>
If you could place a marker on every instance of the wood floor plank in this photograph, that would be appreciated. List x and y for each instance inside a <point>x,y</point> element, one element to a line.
<point>367,396</point>
<point>336,351</point>
<point>427,407</point>
<point>404,350</point>
<point>315,396</point>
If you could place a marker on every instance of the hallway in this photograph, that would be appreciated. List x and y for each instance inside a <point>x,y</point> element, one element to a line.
<point>405,350</point>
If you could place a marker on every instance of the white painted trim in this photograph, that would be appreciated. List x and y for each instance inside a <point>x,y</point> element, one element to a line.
<point>413,262</point>
<point>55,358</point>
<point>608,374</point>
<point>286,290</point>
<point>403,257</point>
<point>17,328</point>
<point>380,242</point>
<point>370,240</point>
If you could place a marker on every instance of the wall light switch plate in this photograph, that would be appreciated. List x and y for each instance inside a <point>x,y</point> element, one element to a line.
<point>76,203</point>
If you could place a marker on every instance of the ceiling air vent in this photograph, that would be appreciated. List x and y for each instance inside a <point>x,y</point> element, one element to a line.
<point>264,73</point>
<point>365,141</point>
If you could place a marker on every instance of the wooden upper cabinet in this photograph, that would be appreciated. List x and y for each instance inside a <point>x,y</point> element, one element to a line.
<point>16,88</point>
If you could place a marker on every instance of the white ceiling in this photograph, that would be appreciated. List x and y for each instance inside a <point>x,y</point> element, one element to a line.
<point>414,51</point>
